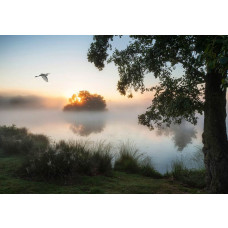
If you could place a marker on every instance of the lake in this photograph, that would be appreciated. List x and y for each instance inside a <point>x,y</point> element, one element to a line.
<point>161,146</point>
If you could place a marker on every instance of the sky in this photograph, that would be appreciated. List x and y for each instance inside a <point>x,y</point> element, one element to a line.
<point>65,57</point>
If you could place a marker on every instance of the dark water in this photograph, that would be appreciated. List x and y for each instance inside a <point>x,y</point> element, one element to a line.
<point>162,147</point>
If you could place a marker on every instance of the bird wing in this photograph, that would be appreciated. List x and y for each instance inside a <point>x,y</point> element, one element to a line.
<point>45,78</point>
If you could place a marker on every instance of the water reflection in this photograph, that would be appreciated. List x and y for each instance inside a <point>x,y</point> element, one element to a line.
<point>86,123</point>
<point>86,128</point>
<point>182,134</point>
<point>112,126</point>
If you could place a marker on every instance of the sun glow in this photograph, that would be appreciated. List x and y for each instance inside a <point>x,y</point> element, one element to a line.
<point>79,99</point>
<point>75,99</point>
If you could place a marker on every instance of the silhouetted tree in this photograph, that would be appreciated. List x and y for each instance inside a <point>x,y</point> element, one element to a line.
<point>202,88</point>
<point>86,101</point>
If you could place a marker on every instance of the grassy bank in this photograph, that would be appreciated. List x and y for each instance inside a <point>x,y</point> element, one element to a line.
<point>31,164</point>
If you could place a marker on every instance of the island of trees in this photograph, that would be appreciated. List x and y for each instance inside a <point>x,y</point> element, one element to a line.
<point>85,101</point>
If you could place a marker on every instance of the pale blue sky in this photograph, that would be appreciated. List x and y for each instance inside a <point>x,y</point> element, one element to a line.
<point>65,57</point>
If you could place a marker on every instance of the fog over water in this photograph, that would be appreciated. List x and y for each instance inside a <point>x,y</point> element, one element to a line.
<point>118,124</point>
<point>114,126</point>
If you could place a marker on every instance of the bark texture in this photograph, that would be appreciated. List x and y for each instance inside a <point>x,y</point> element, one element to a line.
<point>215,136</point>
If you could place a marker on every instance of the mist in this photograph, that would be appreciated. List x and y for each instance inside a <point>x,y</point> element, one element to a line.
<point>30,102</point>
<point>118,124</point>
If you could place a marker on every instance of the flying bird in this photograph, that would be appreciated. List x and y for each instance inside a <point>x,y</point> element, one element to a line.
<point>44,76</point>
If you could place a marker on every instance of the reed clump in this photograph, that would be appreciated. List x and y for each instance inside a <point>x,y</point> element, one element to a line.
<point>69,160</point>
<point>190,177</point>
<point>131,161</point>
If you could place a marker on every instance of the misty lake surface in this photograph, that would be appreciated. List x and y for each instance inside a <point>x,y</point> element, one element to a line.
<point>162,147</point>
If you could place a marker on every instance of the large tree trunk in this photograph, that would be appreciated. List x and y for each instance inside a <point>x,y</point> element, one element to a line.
<point>214,136</point>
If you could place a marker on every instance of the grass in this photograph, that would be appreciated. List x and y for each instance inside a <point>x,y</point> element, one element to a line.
<point>118,183</point>
<point>62,161</point>
<point>67,161</point>
<point>146,169</point>
<point>81,167</point>
<point>189,177</point>
<point>130,161</point>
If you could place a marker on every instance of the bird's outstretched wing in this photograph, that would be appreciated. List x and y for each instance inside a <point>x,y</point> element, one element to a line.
<point>45,78</point>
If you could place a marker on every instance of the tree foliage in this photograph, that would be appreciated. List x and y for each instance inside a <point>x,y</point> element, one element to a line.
<point>86,101</point>
<point>175,98</point>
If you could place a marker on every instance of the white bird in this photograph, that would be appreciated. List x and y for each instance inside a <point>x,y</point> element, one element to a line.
<point>44,76</point>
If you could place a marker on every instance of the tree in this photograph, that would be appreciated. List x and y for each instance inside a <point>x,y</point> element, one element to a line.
<point>201,89</point>
<point>86,101</point>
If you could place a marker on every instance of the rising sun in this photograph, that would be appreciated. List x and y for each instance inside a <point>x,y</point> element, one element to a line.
<point>74,98</point>
<point>79,99</point>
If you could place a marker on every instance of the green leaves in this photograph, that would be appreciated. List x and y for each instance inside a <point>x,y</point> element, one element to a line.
<point>216,54</point>
<point>223,60</point>
<point>175,98</point>
<point>97,53</point>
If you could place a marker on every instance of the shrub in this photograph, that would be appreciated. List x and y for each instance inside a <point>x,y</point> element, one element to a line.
<point>18,141</point>
<point>68,160</point>
<point>101,158</point>
<point>129,160</point>
<point>146,169</point>
<point>190,177</point>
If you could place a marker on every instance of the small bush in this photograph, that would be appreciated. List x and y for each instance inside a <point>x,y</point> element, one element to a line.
<point>15,140</point>
<point>68,160</point>
<point>131,161</point>
<point>128,159</point>
<point>101,158</point>
<point>146,169</point>
<point>191,177</point>
<point>9,131</point>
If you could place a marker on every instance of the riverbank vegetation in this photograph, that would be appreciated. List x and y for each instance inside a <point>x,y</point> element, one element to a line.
<point>31,163</point>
